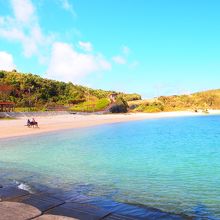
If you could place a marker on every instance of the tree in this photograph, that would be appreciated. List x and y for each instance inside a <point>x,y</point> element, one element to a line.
<point>5,91</point>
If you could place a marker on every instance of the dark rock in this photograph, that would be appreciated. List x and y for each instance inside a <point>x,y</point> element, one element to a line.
<point>118,108</point>
<point>42,202</point>
<point>118,217</point>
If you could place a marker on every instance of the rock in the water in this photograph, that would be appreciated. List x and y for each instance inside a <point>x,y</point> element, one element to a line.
<point>18,211</point>
<point>54,217</point>
<point>8,193</point>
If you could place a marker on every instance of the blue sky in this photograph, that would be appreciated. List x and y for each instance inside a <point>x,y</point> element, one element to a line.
<point>152,47</point>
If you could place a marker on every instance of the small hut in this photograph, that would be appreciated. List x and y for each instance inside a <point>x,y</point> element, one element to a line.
<point>7,106</point>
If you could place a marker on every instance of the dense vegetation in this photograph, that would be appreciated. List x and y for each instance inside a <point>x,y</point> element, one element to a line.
<point>33,92</point>
<point>197,101</point>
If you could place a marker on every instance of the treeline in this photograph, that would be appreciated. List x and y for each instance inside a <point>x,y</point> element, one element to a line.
<point>33,91</point>
<point>198,101</point>
<point>201,100</point>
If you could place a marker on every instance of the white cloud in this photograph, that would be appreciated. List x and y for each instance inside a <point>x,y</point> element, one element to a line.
<point>23,10</point>
<point>23,27</point>
<point>67,64</point>
<point>119,60</point>
<point>6,61</point>
<point>86,46</point>
<point>68,6</point>
<point>124,59</point>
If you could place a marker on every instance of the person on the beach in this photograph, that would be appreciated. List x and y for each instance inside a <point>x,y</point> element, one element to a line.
<point>28,122</point>
<point>33,120</point>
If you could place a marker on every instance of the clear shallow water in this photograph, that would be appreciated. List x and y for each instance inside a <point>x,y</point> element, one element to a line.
<point>170,164</point>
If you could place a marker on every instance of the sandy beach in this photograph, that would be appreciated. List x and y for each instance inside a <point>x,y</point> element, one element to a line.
<point>16,127</point>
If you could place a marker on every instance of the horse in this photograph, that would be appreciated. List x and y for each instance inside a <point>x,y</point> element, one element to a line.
<point>32,124</point>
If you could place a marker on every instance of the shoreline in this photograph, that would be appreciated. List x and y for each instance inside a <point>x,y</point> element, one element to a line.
<point>17,128</point>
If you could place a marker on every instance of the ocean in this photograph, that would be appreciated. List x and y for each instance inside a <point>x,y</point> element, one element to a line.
<point>169,165</point>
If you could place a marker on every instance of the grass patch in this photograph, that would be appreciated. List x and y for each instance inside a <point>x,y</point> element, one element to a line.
<point>7,118</point>
<point>91,106</point>
<point>150,107</point>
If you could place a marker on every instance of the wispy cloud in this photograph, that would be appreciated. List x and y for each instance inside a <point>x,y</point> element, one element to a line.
<point>86,46</point>
<point>124,58</point>
<point>66,5</point>
<point>119,60</point>
<point>134,64</point>
<point>126,50</point>
<point>23,27</point>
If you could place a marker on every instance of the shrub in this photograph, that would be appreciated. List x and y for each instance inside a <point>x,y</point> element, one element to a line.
<point>131,97</point>
<point>102,103</point>
<point>150,107</point>
<point>2,74</point>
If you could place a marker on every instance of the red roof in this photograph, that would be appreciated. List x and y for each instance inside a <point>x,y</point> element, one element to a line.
<point>7,103</point>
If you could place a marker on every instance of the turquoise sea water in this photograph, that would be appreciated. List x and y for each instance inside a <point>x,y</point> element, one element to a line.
<point>171,164</point>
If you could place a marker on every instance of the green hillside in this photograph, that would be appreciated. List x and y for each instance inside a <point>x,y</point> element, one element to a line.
<point>201,100</point>
<point>32,92</point>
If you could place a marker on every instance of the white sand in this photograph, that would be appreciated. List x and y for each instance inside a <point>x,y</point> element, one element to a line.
<point>13,128</point>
